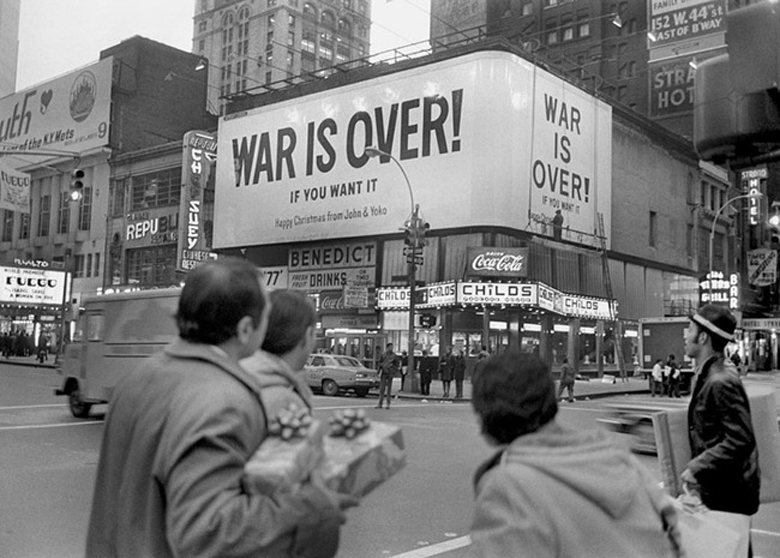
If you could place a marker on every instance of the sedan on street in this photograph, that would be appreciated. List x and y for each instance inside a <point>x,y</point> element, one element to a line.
<point>332,374</point>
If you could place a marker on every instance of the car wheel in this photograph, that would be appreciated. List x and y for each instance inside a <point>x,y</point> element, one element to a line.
<point>329,387</point>
<point>361,392</point>
<point>78,408</point>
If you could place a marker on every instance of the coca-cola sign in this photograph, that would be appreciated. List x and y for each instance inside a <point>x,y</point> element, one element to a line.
<point>498,262</point>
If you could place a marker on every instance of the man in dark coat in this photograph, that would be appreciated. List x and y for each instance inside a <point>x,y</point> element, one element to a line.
<point>428,366</point>
<point>459,373</point>
<point>724,465</point>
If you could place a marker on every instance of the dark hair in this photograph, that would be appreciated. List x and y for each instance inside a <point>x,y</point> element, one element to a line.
<point>514,394</point>
<point>216,296</point>
<point>292,313</point>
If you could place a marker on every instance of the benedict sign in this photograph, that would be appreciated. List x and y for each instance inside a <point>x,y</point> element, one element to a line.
<point>497,262</point>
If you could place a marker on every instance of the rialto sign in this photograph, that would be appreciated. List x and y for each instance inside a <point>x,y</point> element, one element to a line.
<point>491,294</point>
<point>31,286</point>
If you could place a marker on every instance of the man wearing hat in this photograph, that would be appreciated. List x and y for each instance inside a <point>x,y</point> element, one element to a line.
<point>724,465</point>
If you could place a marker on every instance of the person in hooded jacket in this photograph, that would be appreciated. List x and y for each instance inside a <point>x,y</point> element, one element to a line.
<point>180,430</point>
<point>551,491</point>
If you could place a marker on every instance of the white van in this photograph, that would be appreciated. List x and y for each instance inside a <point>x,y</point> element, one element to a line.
<point>113,334</point>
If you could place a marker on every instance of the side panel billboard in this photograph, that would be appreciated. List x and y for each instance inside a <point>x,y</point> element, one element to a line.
<point>486,139</point>
<point>69,113</point>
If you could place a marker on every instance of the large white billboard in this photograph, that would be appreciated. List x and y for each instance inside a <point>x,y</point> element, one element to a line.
<point>485,139</point>
<point>69,113</point>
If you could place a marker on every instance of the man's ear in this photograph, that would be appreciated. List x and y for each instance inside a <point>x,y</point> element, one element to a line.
<point>244,329</point>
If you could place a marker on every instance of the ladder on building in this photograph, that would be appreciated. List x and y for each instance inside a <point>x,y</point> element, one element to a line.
<point>617,333</point>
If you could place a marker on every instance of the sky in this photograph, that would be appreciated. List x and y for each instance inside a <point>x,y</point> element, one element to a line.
<point>58,36</point>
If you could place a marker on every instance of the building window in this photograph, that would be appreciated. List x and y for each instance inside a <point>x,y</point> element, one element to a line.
<point>97,264</point>
<point>550,3</point>
<point>309,10</point>
<point>291,38</point>
<point>584,29</point>
<point>653,229</point>
<point>689,241</point>
<point>63,219</point>
<point>203,25</point>
<point>291,20</point>
<point>361,31</point>
<point>290,58</point>
<point>528,8</point>
<point>78,266</point>
<point>44,216</point>
<point>152,266</point>
<point>156,189</point>
<point>307,46</point>
<point>85,209</point>
<point>568,33</point>
<point>8,225</point>
<point>344,27</point>
<point>268,77</point>
<point>326,53</point>
<point>89,265</point>
<point>552,37</point>
<point>201,45</point>
<point>24,226</point>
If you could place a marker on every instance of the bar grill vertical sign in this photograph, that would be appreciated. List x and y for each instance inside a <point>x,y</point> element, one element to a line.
<point>197,199</point>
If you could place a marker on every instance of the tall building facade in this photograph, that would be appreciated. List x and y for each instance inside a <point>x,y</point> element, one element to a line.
<point>642,54</point>
<point>9,45</point>
<point>254,45</point>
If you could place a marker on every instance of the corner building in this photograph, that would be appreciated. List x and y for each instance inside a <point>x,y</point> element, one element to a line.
<point>492,146</point>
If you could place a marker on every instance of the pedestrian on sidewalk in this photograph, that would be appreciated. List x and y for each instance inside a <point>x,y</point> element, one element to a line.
<point>428,366</point>
<point>567,380</point>
<point>674,376</point>
<point>546,492</point>
<point>390,366</point>
<point>404,367</point>
<point>446,365</point>
<point>657,378</point>
<point>459,374</point>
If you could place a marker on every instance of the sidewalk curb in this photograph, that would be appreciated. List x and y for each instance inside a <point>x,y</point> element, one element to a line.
<point>32,363</point>
<point>438,399</point>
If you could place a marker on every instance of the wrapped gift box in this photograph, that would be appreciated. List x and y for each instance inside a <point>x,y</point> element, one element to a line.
<point>356,466</point>
<point>352,466</point>
<point>674,452</point>
<point>280,465</point>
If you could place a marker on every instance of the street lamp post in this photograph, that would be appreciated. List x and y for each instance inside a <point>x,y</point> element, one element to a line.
<point>411,263</point>
<point>752,196</point>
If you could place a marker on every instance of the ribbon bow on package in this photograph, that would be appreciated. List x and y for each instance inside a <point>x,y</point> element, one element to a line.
<point>348,423</point>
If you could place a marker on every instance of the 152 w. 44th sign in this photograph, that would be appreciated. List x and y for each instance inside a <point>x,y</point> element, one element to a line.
<point>762,267</point>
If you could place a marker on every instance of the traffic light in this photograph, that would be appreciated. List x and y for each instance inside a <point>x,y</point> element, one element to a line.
<point>410,238</point>
<point>422,230</point>
<point>76,184</point>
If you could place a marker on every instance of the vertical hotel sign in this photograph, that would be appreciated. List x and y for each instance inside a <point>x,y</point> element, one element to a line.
<point>197,200</point>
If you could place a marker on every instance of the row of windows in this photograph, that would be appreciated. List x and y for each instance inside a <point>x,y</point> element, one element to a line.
<point>62,224</point>
<point>86,265</point>
<point>152,266</point>
<point>154,189</point>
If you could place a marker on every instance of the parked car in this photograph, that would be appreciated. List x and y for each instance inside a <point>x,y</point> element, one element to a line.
<point>333,374</point>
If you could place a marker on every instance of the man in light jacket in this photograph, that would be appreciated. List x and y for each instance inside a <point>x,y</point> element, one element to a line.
<point>181,428</point>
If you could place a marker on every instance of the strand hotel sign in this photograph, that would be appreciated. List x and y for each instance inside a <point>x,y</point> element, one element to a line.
<point>298,170</point>
<point>497,294</point>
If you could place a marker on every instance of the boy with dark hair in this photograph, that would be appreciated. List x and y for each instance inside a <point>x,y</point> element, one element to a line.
<point>546,493</point>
